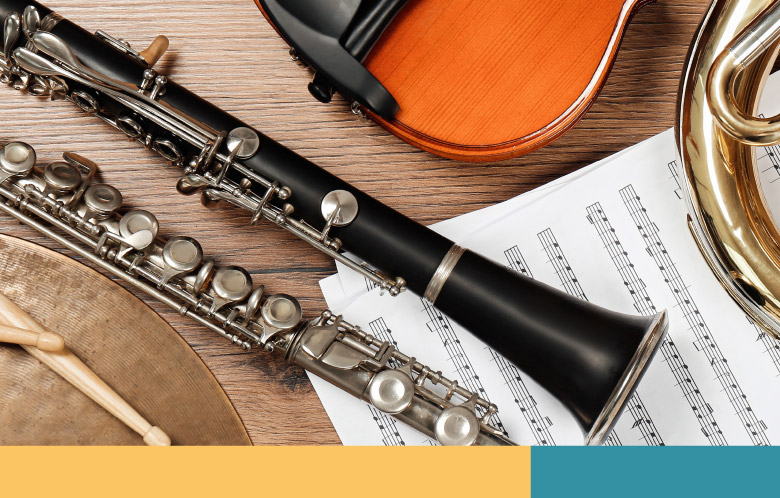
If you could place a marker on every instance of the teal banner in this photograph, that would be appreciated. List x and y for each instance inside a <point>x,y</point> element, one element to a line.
<point>636,472</point>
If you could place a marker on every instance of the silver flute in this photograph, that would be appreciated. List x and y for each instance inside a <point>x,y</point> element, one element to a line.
<point>63,202</point>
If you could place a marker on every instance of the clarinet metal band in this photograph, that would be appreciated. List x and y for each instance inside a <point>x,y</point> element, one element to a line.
<point>443,272</point>
<point>61,202</point>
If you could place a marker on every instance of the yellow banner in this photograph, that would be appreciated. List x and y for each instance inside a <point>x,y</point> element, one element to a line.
<point>276,472</point>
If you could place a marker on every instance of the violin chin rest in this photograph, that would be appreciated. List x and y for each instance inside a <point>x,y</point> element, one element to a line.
<point>333,37</point>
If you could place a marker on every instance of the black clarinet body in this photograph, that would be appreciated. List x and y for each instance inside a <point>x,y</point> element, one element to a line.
<point>589,357</point>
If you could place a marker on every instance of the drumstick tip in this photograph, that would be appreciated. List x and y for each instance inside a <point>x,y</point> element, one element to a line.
<point>156,437</point>
<point>50,342</point>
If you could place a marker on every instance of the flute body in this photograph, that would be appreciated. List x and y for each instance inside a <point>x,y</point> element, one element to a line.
<point>62,202</point>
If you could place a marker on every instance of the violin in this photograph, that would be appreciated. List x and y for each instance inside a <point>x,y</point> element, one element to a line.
<point>466,80</point>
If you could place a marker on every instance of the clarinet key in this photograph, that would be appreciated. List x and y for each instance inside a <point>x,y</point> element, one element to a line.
<point>11,30</point>
<point>246,140</point>
<point>17,159</point>
<point>31,20</point>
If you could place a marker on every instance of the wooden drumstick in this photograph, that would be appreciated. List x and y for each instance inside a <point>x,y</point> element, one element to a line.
<point>45,341</point>
<point>69,367</point>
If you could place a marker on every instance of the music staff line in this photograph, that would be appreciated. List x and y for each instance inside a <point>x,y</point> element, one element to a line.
<point>555,256</point>
<point>644,305</point>
<point>704,340</point>
<point>538,423</point>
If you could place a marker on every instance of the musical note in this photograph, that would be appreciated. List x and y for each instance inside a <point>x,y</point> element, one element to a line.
<point>675,169</point>
<point>516,262</point>
<point>771,346</point>
<point>562,268</point>
<point>704,341</point>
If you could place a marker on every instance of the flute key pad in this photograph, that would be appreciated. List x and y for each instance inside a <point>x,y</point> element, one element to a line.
<point>17,159</point>
<point>101,201</point>
<point>137,221</point>
<point>182,254</point>
<point>61,178</point>
<point>231,283</point>
<point>457,426</point>
<point>391,391</point>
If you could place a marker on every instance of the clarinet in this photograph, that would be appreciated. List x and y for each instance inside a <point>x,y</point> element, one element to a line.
<point>63,202</point>
<point>590,358</point>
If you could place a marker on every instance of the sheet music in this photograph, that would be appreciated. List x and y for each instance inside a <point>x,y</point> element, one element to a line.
<point>615,235</point>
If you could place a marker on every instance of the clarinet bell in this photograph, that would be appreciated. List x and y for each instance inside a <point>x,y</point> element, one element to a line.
<point>588,357</point>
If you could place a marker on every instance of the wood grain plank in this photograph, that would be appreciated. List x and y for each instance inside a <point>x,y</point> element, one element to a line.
<point>225,52</point>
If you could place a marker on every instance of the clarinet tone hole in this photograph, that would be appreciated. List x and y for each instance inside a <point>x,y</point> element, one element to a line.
<point>129,126</point>
<point>85,101</point>
<point>167,149</point>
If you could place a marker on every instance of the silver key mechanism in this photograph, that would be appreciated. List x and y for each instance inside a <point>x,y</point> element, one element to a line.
<point>181,255</point>
<point>17,159</point>
<point>101,201</point>
<point>230,284</point>
<point>457,426</point>
<point>391,391</point>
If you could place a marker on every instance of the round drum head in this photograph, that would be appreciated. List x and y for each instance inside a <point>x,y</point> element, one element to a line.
<point>126,343</point>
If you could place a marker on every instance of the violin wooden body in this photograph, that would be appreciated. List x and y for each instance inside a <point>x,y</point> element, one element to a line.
<point>487,81</point>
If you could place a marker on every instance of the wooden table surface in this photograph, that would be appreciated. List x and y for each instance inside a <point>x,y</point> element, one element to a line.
<point>226,52</point>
